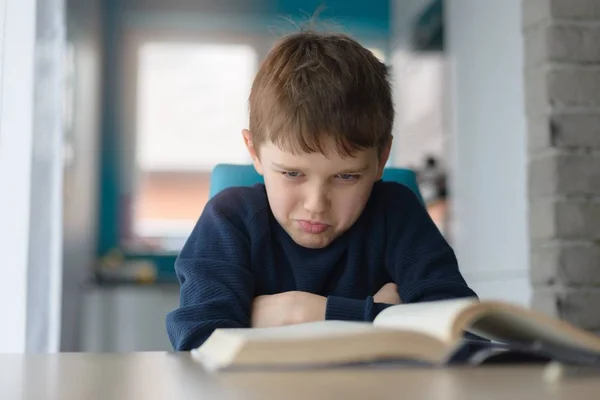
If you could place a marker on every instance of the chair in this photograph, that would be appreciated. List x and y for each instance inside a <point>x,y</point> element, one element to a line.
<point>230,175</point>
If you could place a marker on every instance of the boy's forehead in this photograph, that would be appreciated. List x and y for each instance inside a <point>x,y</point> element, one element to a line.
<point>277,155</point>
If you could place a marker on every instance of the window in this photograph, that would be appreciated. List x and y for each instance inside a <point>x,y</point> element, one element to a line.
<point>191,105</point>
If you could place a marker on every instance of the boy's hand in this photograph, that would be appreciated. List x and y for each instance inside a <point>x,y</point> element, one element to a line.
<point>388,294</point>
<point>287,308</point>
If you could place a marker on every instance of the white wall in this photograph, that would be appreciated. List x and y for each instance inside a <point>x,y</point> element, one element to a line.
<point>16,132</point>
<point>488,145</point>
<point>45,234</point>
<point>31,175</point>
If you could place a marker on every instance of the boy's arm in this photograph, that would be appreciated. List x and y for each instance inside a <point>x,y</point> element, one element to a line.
<point>297,307</point>
<point>363,310</point>
<point>419,259</point>
<point>216,283</point>
<point>347,309</point>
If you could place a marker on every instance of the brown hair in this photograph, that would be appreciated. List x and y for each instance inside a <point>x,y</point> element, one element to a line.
<point>314,86</point>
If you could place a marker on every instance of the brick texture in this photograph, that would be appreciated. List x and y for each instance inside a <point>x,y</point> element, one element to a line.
<point>573,43</point>
<point>579,130</point>
<point>568,263</point>
<point>540,11</point>
<point>573,86</point>
<point>564,173</point>
<point>562,97</point>
<point>535,12</point>
<point>564,42</point>
<point>576,305</point>
<point>588,10</point>
<point>568,219</point>
<point>574,131</point>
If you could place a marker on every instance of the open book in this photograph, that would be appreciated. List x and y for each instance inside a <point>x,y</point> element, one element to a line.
<point>431,333</point>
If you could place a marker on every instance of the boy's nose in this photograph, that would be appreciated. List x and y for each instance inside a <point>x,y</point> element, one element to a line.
<point>316,201</point>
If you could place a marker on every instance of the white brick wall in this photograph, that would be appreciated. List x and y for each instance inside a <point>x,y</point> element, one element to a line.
<point>564,173</point>
<point>564,262</point>
<point>563,42</point>
<point>535,11</point>
<point>573,86</point>
<point>575,9</point>
<point>576,305</point>
<point>562,89</point>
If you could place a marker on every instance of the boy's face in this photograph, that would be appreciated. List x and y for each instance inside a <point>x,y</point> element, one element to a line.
<point>316,198</point>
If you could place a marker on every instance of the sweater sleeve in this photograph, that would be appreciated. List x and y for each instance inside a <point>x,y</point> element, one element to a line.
<point>418,258</point>
<point>216,285</point>
<point>346,309</point>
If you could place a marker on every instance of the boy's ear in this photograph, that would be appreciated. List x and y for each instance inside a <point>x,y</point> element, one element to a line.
<point>252,150</point>
<point>383,158</point>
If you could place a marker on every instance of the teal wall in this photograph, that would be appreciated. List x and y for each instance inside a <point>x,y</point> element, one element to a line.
<point>354,15</point>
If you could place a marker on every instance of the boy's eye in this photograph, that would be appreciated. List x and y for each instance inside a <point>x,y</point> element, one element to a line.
<point>292,174</point>
<point>348,177</point>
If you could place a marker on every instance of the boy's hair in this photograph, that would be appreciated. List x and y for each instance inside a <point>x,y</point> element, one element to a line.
<point>314,86</point>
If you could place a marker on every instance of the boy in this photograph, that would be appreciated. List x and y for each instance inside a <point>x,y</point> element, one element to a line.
<point>323,238</point>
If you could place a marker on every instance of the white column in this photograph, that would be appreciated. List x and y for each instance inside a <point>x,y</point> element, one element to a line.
<point>488,146</point>
<point>30,174</point>
<point>17,18</point>
<point>45,212</point>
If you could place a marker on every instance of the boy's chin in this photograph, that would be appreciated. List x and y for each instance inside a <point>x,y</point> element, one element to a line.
<point>312,241</point>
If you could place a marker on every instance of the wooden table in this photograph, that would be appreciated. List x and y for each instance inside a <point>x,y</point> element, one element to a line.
<point>148,376</point>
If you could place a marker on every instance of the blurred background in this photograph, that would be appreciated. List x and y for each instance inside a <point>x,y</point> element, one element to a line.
<point>115,112</point>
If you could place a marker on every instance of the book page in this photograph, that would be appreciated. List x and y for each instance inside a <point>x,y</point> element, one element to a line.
<point>310,330</point>
<point>434,318</point>
<point>511,323</point>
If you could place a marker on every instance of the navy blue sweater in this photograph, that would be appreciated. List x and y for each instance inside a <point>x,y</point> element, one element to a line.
<point>238,251</point>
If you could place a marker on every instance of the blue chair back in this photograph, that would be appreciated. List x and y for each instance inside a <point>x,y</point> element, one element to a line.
<point>229,175</point>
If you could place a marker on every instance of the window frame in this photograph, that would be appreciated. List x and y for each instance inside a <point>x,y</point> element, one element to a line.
<point>118,166</point>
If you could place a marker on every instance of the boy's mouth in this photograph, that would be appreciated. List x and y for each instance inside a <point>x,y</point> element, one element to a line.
<point>312,226</point>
